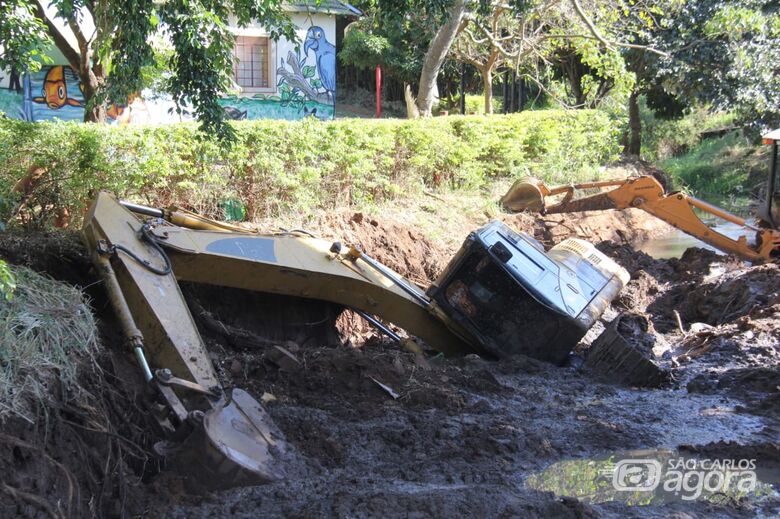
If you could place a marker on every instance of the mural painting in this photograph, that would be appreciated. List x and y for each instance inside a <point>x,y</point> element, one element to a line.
<point>305,88</point>
<point>54,91</point>
<point>279,80</point>
<point>51,93</point>
<point>11,94</point>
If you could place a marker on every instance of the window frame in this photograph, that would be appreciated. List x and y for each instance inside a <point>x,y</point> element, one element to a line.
<point>271,71</point>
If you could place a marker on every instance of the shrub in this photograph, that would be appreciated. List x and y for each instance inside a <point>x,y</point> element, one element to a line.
<point>280,167</point>
<point>475,104</point>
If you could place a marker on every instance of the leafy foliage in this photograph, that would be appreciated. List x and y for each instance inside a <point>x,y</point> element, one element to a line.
<point>727,55</point>
<point>396,35</point>
<point>21,36</point>
<point>7,281</point>
<point>277,167</point>
<point>363,49</point>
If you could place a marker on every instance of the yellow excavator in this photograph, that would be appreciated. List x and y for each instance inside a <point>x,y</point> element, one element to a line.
<point>502,294</point>
<point>678,209</point>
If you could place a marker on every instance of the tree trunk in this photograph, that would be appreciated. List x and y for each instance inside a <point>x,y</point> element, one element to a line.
<point>635,125</point>
<point>434,57</point>
<point>96,113</point>
<point>487,84</point>
<point>90,78</point>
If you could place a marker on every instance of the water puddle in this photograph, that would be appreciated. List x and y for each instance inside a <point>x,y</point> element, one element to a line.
<point>676,242</point>
<point>656,476</point>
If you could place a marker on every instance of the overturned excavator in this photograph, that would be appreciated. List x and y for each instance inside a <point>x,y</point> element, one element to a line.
<point>502,294</point>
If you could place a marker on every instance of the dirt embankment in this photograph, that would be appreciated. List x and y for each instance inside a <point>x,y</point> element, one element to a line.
<point>464,434</point>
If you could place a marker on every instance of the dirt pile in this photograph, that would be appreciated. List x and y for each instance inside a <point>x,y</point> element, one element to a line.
<point>401,247</point>
<point>730,343</point>
<point>733,294</point>
<point>628,226</point>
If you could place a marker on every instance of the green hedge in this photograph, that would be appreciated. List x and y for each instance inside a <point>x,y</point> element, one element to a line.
<point>278,167</point>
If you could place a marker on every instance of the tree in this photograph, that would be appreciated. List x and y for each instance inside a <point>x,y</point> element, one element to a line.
<point>540,25</point>
<point>726,54</point>
<point>481,53</point>
<point>586,84</point>
<point>436,54</point>
<point>113,45</point>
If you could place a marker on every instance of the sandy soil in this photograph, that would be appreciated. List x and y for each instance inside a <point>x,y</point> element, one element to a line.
<point>465,434</point>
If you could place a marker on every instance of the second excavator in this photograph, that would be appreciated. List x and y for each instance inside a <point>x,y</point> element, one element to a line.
<point>676,208</point>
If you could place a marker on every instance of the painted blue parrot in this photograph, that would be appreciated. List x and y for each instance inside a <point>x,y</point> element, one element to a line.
<point>325,52</point>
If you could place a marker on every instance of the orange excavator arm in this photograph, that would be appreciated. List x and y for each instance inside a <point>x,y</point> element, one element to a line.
<point>646,193</point>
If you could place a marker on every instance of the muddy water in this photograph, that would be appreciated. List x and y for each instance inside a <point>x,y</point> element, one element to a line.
<point>676,242</point>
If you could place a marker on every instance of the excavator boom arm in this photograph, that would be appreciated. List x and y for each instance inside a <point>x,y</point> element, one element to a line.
<point>141,261</point>
<point>646,193</point>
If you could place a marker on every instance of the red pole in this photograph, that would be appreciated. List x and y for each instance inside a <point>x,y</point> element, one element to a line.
<point>378,92</point>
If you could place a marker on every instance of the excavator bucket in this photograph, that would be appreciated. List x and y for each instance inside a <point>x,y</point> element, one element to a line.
<point>531,194</point>
<point>237,444</point>
<point>524,195</point>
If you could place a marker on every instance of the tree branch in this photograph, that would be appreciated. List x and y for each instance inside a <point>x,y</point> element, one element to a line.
<point>80,38</point>
<point>611,44</point>
<point>591,27</point>
<point>71,54</point>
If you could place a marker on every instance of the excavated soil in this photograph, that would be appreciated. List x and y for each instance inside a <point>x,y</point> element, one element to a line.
<point>456,436</point>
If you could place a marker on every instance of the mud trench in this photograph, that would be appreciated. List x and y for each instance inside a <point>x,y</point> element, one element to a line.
<point>464,435</point>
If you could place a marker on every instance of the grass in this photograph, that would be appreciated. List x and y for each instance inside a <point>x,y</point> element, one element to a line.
<point>724,171</point>
<point>46,329</point>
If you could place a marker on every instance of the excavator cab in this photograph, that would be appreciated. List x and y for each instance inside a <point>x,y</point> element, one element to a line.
<point>769,211</point>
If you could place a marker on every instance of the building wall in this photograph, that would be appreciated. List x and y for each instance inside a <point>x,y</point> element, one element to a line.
<point>304,78</point>
<point>302,83</point>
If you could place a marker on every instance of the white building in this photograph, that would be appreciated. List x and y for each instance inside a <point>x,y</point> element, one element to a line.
<point>274,79</point>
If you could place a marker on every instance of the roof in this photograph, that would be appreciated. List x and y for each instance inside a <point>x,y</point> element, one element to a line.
<point>322,6</point>
<point>772,136</point>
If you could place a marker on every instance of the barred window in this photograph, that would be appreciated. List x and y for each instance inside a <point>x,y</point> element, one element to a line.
<point>250,64</point>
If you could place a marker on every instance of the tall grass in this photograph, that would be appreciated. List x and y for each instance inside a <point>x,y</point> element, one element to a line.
<point>46,330</point>
<point>725,171</point>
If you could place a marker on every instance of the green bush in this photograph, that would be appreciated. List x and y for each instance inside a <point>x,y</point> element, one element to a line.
<point>475,104</point>
<point>665,138</point>
<point>279,168</point>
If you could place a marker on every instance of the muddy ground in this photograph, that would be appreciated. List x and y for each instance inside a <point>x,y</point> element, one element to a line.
<point>465,434</point>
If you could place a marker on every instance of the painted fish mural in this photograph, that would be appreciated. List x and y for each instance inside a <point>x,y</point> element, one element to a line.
<point>55,90</point>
